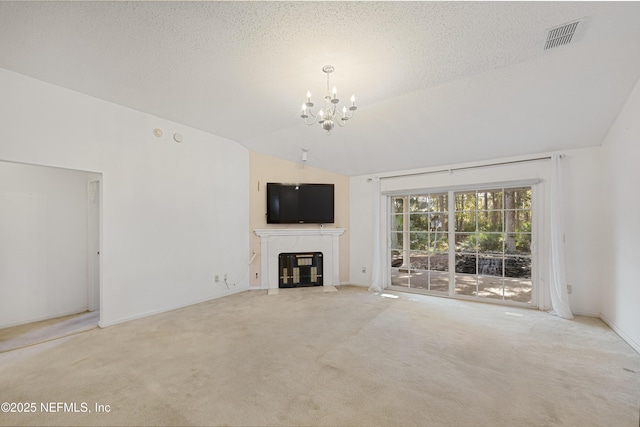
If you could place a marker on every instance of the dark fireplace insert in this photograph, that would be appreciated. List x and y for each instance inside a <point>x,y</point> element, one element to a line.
<point>299,269</point>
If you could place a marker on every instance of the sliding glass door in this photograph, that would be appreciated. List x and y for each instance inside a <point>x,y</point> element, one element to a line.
<point>469,243</point>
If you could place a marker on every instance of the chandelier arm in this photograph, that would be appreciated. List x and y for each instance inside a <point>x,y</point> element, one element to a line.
<point>342,122</point>
<point>312,122</point>
<point>348,116</point>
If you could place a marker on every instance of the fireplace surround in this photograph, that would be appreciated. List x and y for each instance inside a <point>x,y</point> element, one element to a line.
<point>275,241</point>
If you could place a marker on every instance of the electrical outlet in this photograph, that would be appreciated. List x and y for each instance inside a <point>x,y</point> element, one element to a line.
<point>569,289</point>
<point>216,278</point>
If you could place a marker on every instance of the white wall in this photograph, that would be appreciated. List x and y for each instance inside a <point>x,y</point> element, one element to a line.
<point>173,215</point>
<point>43,243</point>
<point>621,251</point>
<point>583,215</point>
<point>361,230</point>
<point>582,179</point>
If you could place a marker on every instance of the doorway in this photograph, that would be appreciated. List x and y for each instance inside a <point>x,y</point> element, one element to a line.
<point>49,243</point>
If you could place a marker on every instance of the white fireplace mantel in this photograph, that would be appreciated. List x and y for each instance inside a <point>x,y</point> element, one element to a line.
<point>274,241</point>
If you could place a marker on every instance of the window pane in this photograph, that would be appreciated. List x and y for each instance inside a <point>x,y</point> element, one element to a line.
<point>419,279</point>
<point>418,268</point>
<point>465,222</point>
<point>517,290</point>
<point>397,222</point>
<point>397,204</point>
<point>396,258</point>
<point>419,241</point>
<point>439,242</point>
<point>419,260</point>
<point>439,281</point>
<point>521,221</point>
<point>509,199</point>
<point>439,222</point>
<point>396,241</point>
<point>466,242</point>
<point>490,266</point>
<point>490,242</point>
<point>466,284</point>
<point>439,262</point>
<point>466,263</point>
<point>518,243</point>
<point>400,277</point>
<point>419,222</point>
<point>465,201</point>
<point>489,200</point>
<point>522,198</point>
<point>518,267</point>
<point>490,287</point>
<point>510,221</point>
<point>439,202</point>
<point>490,221</point>
<point>418,203</point>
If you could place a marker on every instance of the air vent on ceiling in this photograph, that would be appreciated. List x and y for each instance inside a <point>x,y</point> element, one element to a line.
<point>560,36</point>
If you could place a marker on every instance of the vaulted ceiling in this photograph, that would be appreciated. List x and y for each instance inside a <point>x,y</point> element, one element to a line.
<point>436,82</point>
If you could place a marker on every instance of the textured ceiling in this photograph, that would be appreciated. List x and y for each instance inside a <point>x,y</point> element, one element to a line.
<point>436,82</point>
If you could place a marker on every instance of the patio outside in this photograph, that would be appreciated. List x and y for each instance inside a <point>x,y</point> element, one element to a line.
<point>494,286</point>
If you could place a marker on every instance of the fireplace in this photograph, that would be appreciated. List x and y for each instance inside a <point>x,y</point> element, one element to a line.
<point>299,269</point>
<point>276,241</point>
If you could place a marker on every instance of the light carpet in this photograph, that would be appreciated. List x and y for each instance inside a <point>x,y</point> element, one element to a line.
<point>346,358</point>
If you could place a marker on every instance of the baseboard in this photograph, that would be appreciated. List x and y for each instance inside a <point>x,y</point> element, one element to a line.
<point>585,313</point>
<point>621,333</point>
<point>354,284</point>
<point>171,308</point>
<point>45,317</point>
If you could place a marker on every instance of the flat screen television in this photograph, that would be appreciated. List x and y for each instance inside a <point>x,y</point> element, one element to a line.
<point>300,203</point>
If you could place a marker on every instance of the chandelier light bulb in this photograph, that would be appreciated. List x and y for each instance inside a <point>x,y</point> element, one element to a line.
<point>353,99</point>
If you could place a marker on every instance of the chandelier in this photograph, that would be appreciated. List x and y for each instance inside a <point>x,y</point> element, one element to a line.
<point>330,114</point>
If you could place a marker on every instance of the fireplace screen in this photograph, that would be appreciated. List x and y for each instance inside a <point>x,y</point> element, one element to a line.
<point>300,269</point>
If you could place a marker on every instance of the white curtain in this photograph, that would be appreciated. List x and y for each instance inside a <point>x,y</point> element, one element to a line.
<point>376,272</point>
<point>558,280</point>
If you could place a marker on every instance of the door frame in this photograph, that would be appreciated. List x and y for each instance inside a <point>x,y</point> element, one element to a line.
<point>94,224</point>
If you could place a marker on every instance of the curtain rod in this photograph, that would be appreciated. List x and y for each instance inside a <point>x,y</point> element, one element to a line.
<point>469,167</point>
